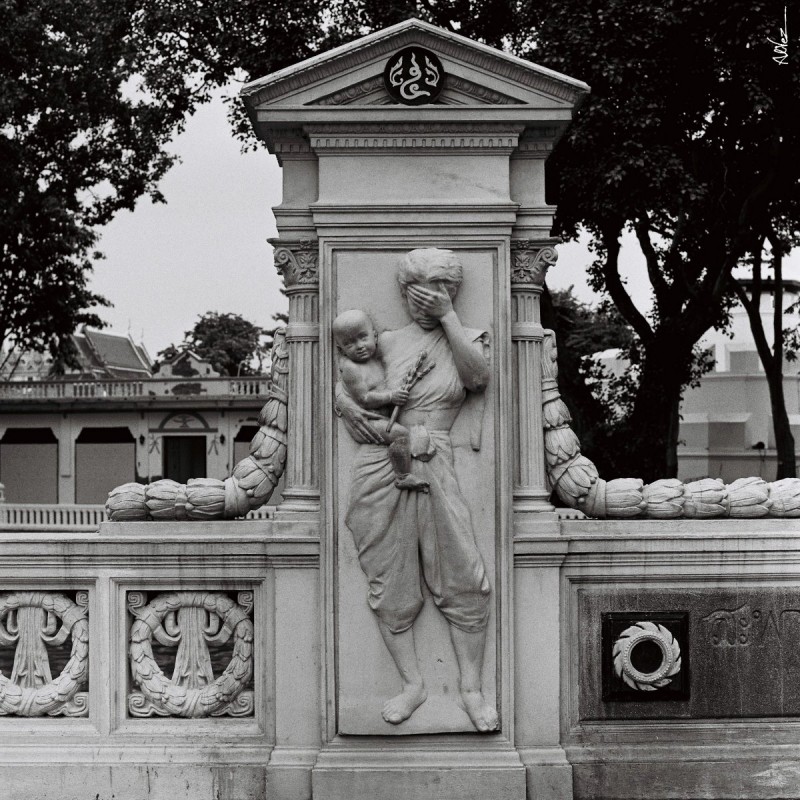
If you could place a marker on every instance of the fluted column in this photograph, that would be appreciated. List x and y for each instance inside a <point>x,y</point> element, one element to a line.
<point>530,260</point>
<point>298,263</point>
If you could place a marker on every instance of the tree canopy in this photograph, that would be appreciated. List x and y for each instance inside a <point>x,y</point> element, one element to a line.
<point>689,138</point>
<point>91,92</point>
<point>228,341</point>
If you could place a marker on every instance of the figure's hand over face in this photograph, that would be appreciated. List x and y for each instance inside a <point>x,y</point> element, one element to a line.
<point>434,302</point>
<point>399,396</point>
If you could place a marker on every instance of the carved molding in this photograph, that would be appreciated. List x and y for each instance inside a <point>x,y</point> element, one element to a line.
<point>354,93</point>
<point>470,136</point>
<point>188,621</point>
<point>452,83</point>
<point>530,261</point>
<point>297,262</point>
<point>29,622</point>
<point>484,93</point>
<point>667,669</point>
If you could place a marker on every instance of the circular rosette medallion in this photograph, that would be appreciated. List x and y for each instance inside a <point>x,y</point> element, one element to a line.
<point>646,656</point>
<point>414,76</point>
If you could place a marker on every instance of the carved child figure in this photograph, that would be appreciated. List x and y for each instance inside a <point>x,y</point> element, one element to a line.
<point>364,378</point>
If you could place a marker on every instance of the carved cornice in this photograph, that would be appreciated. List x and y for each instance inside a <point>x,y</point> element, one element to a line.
<point>344,129</point>
<point>530,261</point>
<point>290,144</point>
<point>458,137</point>
<point>374,86</point>
<point>297,262</point>
<point>484,93</point>
<point>352,94</point>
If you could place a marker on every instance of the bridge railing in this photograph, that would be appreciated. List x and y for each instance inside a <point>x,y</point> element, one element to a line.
<point>71,389</point>
<point>68,518</point>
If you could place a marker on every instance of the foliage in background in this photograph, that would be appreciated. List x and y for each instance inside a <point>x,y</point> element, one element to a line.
<point>231,343</point>
<point>91,93</point>
<point>689,138</point>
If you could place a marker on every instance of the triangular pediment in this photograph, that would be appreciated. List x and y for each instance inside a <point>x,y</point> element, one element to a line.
<point>475,75</point>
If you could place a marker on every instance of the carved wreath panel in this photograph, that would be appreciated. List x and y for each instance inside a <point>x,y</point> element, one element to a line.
<point>30,623</point>
<point>189,622</point>
<point>645,656</point>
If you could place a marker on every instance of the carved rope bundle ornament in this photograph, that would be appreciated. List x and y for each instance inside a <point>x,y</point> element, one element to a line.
<point>669,666</point>
<point>578,485</point>
<point>250,485</point>
<point>29,620</point>
<point>189,620</point>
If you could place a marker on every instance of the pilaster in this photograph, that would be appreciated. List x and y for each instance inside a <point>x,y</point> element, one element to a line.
<point>67,434</point>
<point>298,262</point>
<point>530,260</point>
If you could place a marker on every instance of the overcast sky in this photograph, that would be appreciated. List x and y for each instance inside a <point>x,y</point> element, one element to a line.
<point>206,249</point>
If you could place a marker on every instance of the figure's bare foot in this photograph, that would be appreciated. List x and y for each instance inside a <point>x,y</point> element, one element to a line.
<point>399,708</point>
<point>483,716</point>
<point>408,481</point>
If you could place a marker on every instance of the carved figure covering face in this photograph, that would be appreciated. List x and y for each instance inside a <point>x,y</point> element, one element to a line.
<point>433,268</point>
<point>405,538</point>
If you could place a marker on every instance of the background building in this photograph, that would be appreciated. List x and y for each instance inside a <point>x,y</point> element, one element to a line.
<point>69,440</point>
<point>726,426</point>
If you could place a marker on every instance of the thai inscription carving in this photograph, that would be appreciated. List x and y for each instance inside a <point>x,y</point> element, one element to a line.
<point>29,621</point>
<point>190,621</point>
<point>746,626</point>
<point>407,533</point>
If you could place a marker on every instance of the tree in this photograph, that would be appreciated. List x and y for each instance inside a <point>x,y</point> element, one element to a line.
<point>689,139</point>
<point>581,331</point>
<point>91,92</point>
<point>228,341</point>
<point>784,343</point>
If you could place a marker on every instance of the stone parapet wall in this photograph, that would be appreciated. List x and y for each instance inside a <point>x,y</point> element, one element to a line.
<point>725,592</point>
<point>189,660</point>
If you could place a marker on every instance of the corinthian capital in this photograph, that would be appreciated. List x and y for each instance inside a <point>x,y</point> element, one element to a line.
<point>530,260</point>
<point>297,261</point>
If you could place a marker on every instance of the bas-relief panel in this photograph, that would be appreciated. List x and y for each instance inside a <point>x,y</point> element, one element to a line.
<point>366,673</point>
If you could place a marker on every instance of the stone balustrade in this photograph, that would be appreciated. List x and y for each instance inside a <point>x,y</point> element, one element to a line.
<point>71,390</point>
<point>143,660</point>
<point>55,517</point>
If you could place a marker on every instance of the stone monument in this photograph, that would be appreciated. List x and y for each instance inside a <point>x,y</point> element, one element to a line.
<point>415,619</point>
<point>414,239</point>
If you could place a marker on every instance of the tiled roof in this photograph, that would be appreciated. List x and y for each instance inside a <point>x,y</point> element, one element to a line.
<point>117,355</point>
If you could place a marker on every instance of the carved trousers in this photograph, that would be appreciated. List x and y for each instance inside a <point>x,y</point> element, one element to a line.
<point>403,535</point>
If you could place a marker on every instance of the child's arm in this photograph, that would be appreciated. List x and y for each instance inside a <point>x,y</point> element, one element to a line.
<point>355,377</point>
